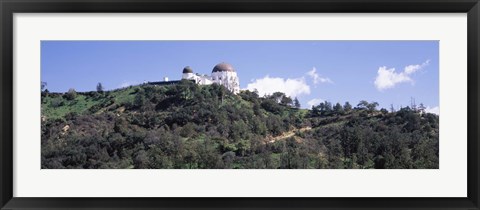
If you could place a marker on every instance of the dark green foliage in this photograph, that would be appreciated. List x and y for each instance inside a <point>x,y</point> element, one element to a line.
<point>338,109</point>
<point>139,101</point>
<point>57,102</point>
<point>272,106</point>
<point>362,104</point>
<point>190,127</point>
<point>296,103</point>
<point>100,88</point>
<point>347,107</point>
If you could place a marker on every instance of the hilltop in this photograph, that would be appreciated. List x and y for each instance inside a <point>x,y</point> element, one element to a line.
<point>190,126</point>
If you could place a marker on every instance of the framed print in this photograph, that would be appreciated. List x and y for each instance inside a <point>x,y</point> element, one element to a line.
<point>239,105</point>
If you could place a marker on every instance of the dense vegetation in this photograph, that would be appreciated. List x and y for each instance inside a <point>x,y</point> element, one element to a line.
<point>189,126</point>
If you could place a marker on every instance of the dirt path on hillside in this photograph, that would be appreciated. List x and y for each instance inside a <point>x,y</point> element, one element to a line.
<point>286,135</point>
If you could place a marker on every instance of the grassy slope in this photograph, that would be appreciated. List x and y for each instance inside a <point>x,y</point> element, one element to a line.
<point>82,103</point>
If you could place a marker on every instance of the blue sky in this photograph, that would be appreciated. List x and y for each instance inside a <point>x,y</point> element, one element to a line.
<point>388,72</point>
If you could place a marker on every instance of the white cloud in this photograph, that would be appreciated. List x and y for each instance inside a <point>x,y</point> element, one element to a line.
<point>388,78</point>
<point>314,102</point>
<point>317,78</point>
<point>433,110</point>
<point>269,85</point>
<point>410,69</point>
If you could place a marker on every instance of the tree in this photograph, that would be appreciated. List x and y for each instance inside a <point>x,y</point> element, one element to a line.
<point>327,108</point>
<point>43,85</point>
<point>316,111</point>
<point>362,104</point>
<point>347,107</point>
<point>71,94</point>
<point>221,90</point>
<point>249,95</point>
<point>421,108</point>
<point>372,106</point>
<point>100,87</point>
<point>141,159</point>
<point>286,101</point>
<point>45,93</point>
<point>323,109</point>
<point>139,99</point>
<point>384,111</point>
<point>296,103</point>
<point>278,96</point>
<point>272,106</point>
<point>338,109</point>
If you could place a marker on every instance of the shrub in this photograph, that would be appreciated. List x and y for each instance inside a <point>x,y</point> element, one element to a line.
<point>71,94</point>
<point>57,102</point>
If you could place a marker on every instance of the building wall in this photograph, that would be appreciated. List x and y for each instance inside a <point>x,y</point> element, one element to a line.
<point>228,79</point>
<point>206,81</point>
<point>190,76</point>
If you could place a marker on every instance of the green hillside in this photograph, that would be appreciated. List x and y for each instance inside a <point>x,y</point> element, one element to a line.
<point>188,126</point>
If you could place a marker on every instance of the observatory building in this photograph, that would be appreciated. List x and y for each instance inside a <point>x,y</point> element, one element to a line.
<point>222,74</point>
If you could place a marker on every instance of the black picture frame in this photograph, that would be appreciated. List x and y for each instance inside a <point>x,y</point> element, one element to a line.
<point>9,7</point>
